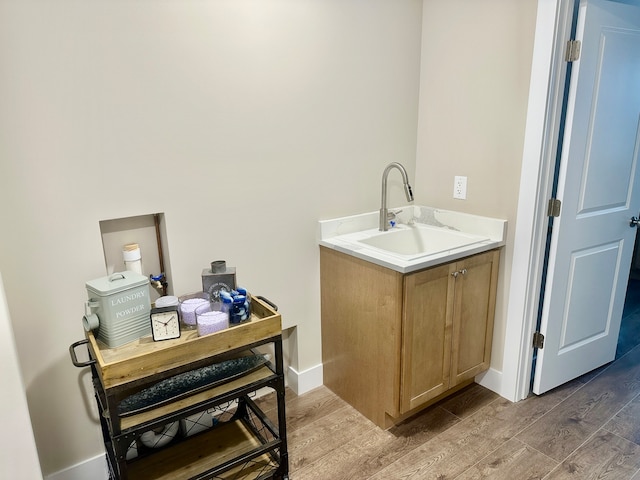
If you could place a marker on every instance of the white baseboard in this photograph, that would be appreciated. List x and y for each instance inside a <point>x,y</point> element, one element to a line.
<point>302,382</point>
<point>492,379</point>
<point>95,468</point>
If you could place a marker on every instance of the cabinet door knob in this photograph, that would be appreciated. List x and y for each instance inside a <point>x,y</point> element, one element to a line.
<point>459,272</point>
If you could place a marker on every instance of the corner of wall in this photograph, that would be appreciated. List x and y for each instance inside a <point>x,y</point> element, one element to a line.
<point>492,379</point>
<point>305,381</point>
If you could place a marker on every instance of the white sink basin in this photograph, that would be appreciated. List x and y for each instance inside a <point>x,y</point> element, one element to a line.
<point>420,240</point>
<point>424,237</point>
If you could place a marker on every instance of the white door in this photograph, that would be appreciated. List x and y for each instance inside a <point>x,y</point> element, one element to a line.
<point>592,241</point>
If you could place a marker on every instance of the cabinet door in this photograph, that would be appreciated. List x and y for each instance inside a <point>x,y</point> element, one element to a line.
<point>474,308</point>
<point>426,335</point>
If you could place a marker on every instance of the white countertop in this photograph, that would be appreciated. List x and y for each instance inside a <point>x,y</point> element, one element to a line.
<point>343,234</point>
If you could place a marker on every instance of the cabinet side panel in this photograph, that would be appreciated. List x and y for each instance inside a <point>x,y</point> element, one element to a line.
<point>475,305</point>
<point>426,336</point>
<point>361,309</point>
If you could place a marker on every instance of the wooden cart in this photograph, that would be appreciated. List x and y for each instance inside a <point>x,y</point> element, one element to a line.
<point>243,443</point>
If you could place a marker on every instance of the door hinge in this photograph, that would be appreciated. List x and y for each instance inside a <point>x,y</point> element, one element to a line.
<point>554,207</point>
<point>538,340</point>
<point>573,51</point>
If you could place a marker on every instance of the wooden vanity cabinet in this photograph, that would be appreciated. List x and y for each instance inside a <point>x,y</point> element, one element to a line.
<point>394,343</point>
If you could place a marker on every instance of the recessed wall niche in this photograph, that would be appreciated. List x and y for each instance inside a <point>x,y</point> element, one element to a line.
<point>150,234</point>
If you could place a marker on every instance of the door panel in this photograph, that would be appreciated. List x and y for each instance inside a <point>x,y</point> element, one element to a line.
<point>590,315</point>
<point>591,242</point>
<point>608,172</point>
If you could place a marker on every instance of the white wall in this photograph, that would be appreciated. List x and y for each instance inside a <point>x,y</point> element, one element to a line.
<point>476,66</point>
<point>244,121</point>
<point>18,455</point>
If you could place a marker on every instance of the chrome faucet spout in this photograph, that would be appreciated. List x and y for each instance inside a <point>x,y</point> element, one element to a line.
<point>384,213</point>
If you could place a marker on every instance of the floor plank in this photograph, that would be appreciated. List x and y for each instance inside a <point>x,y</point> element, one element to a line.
<point>356,459</point>
<point>570,424</point>
<point>366,455</point>
<point>625,423</point>
<point>604,456</point>
<point>512,460</point>
<point>469,400</point>
<point>321,437</point>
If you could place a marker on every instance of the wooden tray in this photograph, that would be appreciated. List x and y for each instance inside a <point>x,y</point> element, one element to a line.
<point>143,357</point>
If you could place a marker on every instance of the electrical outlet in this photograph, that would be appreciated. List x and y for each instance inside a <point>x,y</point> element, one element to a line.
<point>460,187</point>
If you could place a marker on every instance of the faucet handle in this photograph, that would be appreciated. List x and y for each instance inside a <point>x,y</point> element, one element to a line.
<point>391,214</point>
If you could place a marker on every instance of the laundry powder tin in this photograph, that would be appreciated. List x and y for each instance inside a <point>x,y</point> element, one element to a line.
<point>121,302</point>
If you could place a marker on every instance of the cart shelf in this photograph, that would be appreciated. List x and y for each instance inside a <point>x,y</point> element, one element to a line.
<point>194,402</point>
<point>234,444</point>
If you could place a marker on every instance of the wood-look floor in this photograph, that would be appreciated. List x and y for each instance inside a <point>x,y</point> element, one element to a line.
<point>586,429</point>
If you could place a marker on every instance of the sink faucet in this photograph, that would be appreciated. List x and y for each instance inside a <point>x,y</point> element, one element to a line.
<point>384,213</point>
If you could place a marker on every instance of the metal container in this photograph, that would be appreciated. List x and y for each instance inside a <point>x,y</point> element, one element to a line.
<point>121,302</point>
<point>218,278</point>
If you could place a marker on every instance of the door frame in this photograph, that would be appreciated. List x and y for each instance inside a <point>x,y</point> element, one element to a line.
<point>543,127</point>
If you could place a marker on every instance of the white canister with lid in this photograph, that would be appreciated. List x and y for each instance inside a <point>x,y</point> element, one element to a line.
<point>132,258</point>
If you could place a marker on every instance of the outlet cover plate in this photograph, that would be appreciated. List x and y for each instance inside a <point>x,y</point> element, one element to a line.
<point>460,187</point>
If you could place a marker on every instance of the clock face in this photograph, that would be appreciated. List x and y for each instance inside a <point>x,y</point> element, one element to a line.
<point>165,323</point>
